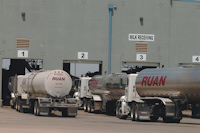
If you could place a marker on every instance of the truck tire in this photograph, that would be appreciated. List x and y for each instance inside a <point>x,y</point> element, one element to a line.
<point>133,112</point>
<point>171,120</point>
<point>119,112</point>
<point>195,111</point>
<point>65,112</point>
<point>16,105</point>
<point>90,108</point>
<point>36,108</point>
<point>85,102</point>
<point>136,113</point>
<point>154,118</point>
<point>21,110</point>
<point>12,103</point>
<point>176,119</point>
<point>111,108</point>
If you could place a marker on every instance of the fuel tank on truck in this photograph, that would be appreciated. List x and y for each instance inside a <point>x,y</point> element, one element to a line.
<point>112,85</point>
<point>183,83</point>
<point>55,83</point>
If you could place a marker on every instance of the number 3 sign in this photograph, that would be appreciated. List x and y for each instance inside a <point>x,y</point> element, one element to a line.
<point>82,55</point>
<point>141,57</point>
<point>22,53</point>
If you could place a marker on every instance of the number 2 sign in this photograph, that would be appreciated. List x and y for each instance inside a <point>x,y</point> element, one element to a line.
<point>22,53</point>
<point>82,55</point>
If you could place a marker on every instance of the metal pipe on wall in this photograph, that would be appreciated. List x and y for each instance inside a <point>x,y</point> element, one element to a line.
<point>110,7</point>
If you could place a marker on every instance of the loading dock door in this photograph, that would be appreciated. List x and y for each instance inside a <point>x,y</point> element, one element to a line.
<point>80,68</point>
<point>12,67</point>
<point>135,67</point>
<point>189,65</point>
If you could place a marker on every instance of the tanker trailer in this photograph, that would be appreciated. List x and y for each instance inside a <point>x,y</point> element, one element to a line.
<point>43,91</point>
<point>105,91</point>
<point>163,93</point>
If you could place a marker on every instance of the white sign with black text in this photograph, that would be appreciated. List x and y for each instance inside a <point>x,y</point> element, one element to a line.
<point>141,57</point>
<point>22,53</point>
<point>141,37</point>
<point>196,58</point>
<point>82,55</point>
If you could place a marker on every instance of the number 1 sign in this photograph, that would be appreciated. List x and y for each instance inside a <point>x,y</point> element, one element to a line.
<point>22,53</point>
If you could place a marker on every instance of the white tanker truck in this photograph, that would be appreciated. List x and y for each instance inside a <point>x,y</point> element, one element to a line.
<point>43,91</point>
<point>155,93</point>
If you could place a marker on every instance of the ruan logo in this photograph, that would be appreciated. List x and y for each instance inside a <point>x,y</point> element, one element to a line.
<point>154,81</point>
<point>58,78</point>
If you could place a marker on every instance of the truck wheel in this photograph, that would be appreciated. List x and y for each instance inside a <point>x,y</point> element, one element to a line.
<point>36,109</point>
<point>16,105</point>
<point>20,107</point>
<point>154,118</point>
<point>136,113</point>
<point>12,103</point>
<point>133,112</point>
<point>50,110</point>
<point>65,112</point>
<point>119,112</point>
<point>170,120</point>
<point>195,111</point>
<point>111,108</point>
<point>89,106</point>
<point>85,102</point>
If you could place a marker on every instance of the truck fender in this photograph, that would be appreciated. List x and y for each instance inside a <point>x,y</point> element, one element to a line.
<point>76,95</point>
<point>122,98</point>
<point>165,101</point>
<point>124,105</point>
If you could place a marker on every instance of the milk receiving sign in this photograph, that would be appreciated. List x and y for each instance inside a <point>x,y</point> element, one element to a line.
<point>141,37</point>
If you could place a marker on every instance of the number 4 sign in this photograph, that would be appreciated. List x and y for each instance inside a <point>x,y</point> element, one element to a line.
<point>22,53</point>
<point>196,59</point>
<point>82,55</point>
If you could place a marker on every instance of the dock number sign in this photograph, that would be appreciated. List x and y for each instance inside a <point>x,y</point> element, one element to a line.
<point>196,58</point>
<point>22,53</point>
<point>82,55</point>
<point>141,57</point>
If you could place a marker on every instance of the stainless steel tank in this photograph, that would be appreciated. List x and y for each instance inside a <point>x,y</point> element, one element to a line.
<point>112,85</point>
<point>181,83</point>
<point>55,83</point>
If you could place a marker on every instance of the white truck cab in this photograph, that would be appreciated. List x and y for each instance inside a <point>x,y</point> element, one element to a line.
<point>82,89</point>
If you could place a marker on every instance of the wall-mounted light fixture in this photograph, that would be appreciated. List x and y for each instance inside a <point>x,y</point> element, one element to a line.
<point>23,16</point>
<point>115,7</point>
<point>142,21</point>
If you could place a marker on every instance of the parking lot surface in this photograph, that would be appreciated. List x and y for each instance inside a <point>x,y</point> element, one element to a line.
<point>13,121</point>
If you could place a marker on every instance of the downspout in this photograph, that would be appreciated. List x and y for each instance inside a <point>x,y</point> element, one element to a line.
<point>110,7</point>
